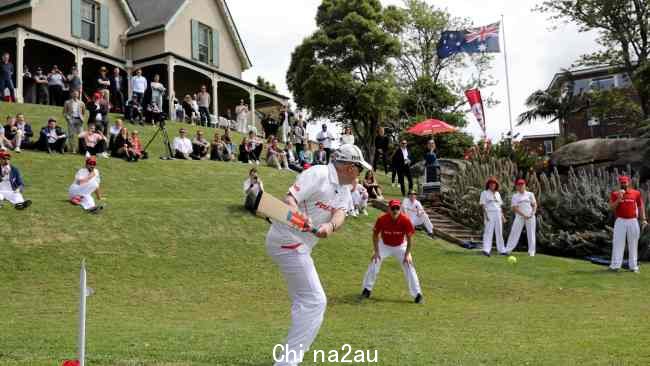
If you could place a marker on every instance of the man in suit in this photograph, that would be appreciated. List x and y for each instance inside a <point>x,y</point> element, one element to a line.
<point>382,145</point>
<point>73,111</point>
<point>402,166</point>
<point>117,84</point>
<point>52,137</point>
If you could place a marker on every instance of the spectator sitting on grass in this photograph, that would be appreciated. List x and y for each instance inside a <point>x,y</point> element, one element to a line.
<point>320,156</point>
<point>93,142</point>
<point>137,146</point>
<point>292,159</point>
<point>244,151</point>
<point>86,182</point>
<point>228,141</point>
<point>200,147</point>
<point>182,146</point>
<point>12,137</point>
<point>123,146</point>
<point>275,157</point>
<point>256,147</point>
<point>371,184</point>
<point>26,129</point>
<point>252,187</point>
<point>113,132</point>
<point>52,137</point>
<point>187,109</point>
<point>359,199</point>
<point>11,183</point>
<point>218,150</point>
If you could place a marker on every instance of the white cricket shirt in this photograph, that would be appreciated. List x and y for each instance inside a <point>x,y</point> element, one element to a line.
<point>524,201</point>
<point>491,201</point>
<point>412,208</point>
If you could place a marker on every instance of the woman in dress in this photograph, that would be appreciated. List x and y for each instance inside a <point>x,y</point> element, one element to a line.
<point>242,116</point>
<point>371,184</point>
<point>157,91</point>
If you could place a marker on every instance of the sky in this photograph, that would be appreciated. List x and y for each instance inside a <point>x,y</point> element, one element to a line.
<point>271,30</point>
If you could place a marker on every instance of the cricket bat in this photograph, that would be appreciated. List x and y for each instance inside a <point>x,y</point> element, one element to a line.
<point>268,206</point>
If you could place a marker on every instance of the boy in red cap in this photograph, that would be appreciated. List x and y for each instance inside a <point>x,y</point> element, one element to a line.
<point>392,236</point>
<point>627,205</point>
<point>86,182</point>
<point>11,183</point>
<point>491,203</point>
<point>524,206</point>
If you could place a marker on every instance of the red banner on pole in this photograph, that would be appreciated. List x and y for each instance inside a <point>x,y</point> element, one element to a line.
<point>476,103</point>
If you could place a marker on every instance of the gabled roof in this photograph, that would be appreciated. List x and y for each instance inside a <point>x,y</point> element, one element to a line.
<point>157,15</point>
<point>586,72</point>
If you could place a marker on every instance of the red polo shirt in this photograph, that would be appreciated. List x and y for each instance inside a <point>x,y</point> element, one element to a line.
<point>393,232</point>
<point>628,208</point>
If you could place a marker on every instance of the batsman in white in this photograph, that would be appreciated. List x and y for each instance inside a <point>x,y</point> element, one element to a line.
<point>322,195</point>
<point>524,206</point>
<point>491,203</point>
<point>86,182</point>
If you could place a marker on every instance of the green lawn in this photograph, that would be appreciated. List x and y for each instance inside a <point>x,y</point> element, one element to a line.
<point>182,278</point>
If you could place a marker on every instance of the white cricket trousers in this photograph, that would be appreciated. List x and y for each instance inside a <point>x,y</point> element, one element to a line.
<point>6,193</point>
<point>409,270</point>
<point>515,232</point>
<point>493,226</point>
<point>85,192</point>
<point>308,301</point>
<point>422,220</point>
<point>625,230</point>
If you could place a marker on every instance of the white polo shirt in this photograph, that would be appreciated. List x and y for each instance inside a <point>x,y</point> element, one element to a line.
<point>318,194</point>
<point>326,138</point>
<point>524,201</point>
<point>491,201</point>
<point>412,208</point>
<point>183,144</point>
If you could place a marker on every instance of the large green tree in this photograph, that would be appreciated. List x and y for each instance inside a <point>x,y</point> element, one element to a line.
<point>624,35</point>
<point>343,70</point>
<point>266,85</point>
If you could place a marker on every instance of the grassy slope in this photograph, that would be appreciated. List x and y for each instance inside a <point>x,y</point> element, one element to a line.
<point>182,278</point>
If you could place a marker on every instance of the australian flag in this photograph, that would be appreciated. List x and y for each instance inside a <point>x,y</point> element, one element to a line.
<point>477,40</point>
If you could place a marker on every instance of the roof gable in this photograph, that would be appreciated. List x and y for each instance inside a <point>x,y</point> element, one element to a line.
<point>157,16</point>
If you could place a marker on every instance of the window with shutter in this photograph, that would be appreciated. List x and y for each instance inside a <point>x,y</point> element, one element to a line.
<point>205,43</point>
<point>104,26</point>
<point>75,25</point>
<point>89,21</point>
<point>215,47</point>
<point>195,40</point>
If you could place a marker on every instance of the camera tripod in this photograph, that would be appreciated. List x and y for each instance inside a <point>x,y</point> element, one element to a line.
<point>166,143</point>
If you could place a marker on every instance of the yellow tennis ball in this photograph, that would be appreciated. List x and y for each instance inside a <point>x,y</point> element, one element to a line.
<point>512,259</point>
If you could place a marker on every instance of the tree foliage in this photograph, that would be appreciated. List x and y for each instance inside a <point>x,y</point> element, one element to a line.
<point>343,72</point>
<point>623,28</point>
<point>266,85</point>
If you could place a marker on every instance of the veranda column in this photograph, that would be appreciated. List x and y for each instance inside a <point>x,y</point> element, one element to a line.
<point>215,97</point>
<point>170,88</point>
<point>253,120</point>
<point>20,61</point>
<point>79,60</point>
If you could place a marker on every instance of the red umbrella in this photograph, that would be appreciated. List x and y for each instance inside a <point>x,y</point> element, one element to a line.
<point>431,127</point>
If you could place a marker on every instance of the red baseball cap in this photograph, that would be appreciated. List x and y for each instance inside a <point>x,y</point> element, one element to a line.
<point>520,181</point>
<point>624,179</point>
<point>4,154</point>
<point>394,203</point>
<point>91,161</point>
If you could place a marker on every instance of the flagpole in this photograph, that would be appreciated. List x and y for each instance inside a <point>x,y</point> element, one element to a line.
<point>82,314</point>
<point>505,58</point>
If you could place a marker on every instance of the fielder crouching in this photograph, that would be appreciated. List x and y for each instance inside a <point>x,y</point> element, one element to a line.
<point>86,182</point>
<point>321,194</point>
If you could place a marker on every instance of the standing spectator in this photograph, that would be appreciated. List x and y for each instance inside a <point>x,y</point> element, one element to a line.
<point>253,185</point>
<point>73,111</point>
<point>627,204</point>
<point>25,129</point>
<point>182,146</point>
<point>74,81</point>
<point>11,183</point>
<point>188,111</point>
<point>414,210</point>
<point>242,116</point>
<point>204,105</point>
<point>29,87</point>
<point>123,146</point>
<point>42,91</point>
<point>218,150</point>
<point>157,91</point>
<point>134,111</point>
<point>402,166</point>
<point>347,137</point>
<point>276,157</point>
<point>7,76</point>
<point>491,203</point>
<point>292,158</point>
<point>103,82</point>
<point>95,112</point>
<point>326,138</point>
<point>55,81</point>
<point>256,147</point>
<point>13,137</point>
<point>298,136</point>
<point>117,85</point>
<point>286,128</point>
<point>93,142</point>
<point>382,145</point>
<point>195,109</point>
<point>200,147</point>
<point>431,163</point>
<point>52,137</point>
<point>139,86</point>
<point>86,182</point>
<point>320,156</point>
<point>524,206</point>
<point>359,199</point>
<point>372,186</point>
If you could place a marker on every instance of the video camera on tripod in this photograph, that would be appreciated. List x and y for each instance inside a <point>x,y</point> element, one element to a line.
<point>162,129</point>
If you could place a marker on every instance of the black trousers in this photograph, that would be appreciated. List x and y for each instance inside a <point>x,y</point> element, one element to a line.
<point>299,148</point>
<point>99,148</point>
<point>205,115</point>
<point>383,156</point>
<point>56,95</point>
<point>401,174</point>
<point>328,153</point>
<point>58,146</point>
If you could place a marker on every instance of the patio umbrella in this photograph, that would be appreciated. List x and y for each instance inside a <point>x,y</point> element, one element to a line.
<point>431,127</point>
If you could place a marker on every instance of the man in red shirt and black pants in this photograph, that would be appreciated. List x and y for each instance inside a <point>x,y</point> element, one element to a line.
<point>627,204</point>
<point>396,231</point>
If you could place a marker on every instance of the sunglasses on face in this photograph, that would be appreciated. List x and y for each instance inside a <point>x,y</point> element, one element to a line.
<point>394,209</point>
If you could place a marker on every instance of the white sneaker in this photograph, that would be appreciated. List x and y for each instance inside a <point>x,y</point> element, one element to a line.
<point>17,150</point>
<point>636,270</point>
<point>87,154</point>
<point>355,213</point>
<point>250,162</point>
<point>105,155</point>
<point>394,185</point>
<point>257,162</point>
<point>364,212</point>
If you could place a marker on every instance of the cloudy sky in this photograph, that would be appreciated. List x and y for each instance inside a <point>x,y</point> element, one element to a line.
<point>272,29</point>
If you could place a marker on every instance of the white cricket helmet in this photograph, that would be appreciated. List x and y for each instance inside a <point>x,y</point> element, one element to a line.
<point>351,154</point>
